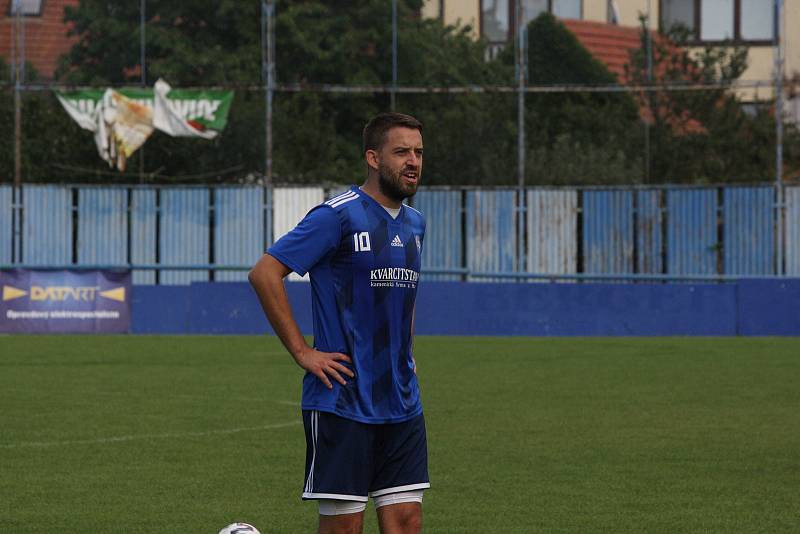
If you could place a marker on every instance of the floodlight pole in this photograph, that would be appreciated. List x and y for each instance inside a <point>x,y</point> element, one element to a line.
<point>143,66</point>
<point>19,66</point>
<point>778,52</point>
<point>393,94</point>
<point>268,77</point>
<point>522,53</point>
<point>142,47</point>
<point>649,59</point>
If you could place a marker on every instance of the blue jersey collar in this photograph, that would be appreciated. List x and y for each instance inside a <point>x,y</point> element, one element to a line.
<point>378,207</point>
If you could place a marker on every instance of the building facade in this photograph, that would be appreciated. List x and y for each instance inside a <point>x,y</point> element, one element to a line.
<point>711,22</point>
<point>43,36</point>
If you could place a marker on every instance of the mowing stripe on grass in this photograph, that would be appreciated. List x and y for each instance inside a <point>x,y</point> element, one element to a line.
<point>118,439</point>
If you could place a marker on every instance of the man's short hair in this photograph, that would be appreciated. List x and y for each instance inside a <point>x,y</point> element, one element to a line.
<point>375,131</point>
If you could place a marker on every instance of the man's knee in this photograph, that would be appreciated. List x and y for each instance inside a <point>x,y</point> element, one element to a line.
<point>403,517</point>
<point>409,518</point>
<point>341,524</point>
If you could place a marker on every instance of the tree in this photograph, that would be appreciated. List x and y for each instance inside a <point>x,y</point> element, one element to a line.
<point>37,115</point>
<point>701,136</point>
<point>317,135</point>
<point>350,43</point>
<point>210,43</point>
<point>575,137</point>
<point>6,124</point>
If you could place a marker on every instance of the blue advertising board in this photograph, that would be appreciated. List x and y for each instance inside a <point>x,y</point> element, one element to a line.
<point>65,301</point>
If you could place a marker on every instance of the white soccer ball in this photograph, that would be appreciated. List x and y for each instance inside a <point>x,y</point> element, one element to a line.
<point>239,528</point>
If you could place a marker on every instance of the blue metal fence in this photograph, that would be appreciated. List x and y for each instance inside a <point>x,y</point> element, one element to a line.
<point>649,229</point>
<point>143,214</point>
<point>177,235</point>
<point>6,224</point>
<point>47,225</point>
<point>692,245</point>
<point>491,231</point>
<point>103,226</point>
<point>444,242</point>
<point>749,236</point>
<point>608,231</point>
<point>238,229</point>
<point>792,234</point>
<point>552,231</point>
<point>184,233</point>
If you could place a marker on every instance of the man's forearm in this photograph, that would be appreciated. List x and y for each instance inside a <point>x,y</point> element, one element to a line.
<point>267,280</point>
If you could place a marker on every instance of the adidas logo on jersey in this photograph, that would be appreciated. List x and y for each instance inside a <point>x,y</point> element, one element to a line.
<point>396,241</point>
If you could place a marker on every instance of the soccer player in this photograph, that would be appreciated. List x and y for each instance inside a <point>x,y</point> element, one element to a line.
<point>365,433</point>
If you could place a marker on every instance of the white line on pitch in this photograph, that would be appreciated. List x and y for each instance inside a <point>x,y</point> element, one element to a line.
<point>187,396</point>
<point>134,437</point>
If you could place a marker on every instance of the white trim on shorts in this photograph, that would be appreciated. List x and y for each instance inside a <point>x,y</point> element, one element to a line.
<point>309,488</point>
<point>400,489</point>
<point>359,498</point>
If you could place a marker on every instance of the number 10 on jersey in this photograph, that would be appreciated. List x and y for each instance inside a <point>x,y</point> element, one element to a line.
<point>361,242</point>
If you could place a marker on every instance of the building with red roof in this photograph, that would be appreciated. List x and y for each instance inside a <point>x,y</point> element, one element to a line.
<point>44,35</point>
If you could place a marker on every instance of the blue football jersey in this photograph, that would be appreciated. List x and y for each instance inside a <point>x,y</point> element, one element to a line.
<point>364,269</point>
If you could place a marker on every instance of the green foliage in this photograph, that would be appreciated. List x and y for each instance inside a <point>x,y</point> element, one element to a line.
<point>35,113</point>
<point>471,138</point>
<point>205,42</point>
<point>317,136</point>
<point>350,43</point>
<point>7,71</point>
<point>791,154</point>
<point>213,43</point>
<point>706,135</point>
<point>556,56</point>
<point>6,135</point>
<point>575,138</point>
<point>568,161</point>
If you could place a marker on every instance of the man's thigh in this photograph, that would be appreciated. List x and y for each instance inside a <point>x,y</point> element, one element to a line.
<point>400,458</point>
<point>347,461</point>
<point>351,523</point>
<point>338,458</point>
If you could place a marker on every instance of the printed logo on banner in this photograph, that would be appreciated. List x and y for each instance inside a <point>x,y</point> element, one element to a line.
<point>64,301</point>
<point>61,293</point>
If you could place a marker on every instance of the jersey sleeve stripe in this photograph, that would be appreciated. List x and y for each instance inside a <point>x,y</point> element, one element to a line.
<point>343,201</point>
<point>348,194</point>
<point>340,195</point>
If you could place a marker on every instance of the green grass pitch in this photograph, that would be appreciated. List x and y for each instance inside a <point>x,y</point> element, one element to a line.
<point>187,434</point>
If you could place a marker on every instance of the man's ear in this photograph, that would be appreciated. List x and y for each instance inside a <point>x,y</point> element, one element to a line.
<point>372,159</point>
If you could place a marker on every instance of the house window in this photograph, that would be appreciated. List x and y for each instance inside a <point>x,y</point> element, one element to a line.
<point>565,9</point>
<point>498,16</point>
<point>495,20</point>
<point>534,8</point>
<point>716,20</point>
<point>757,19</point>
<point>26,8</point>
<point>749,21</point>
<point>677,12</point>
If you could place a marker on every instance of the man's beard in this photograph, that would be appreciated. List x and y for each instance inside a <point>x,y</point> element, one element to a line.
<point>392,185</point>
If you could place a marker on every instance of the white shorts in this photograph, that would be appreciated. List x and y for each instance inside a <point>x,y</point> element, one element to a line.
<point>340,507</point>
